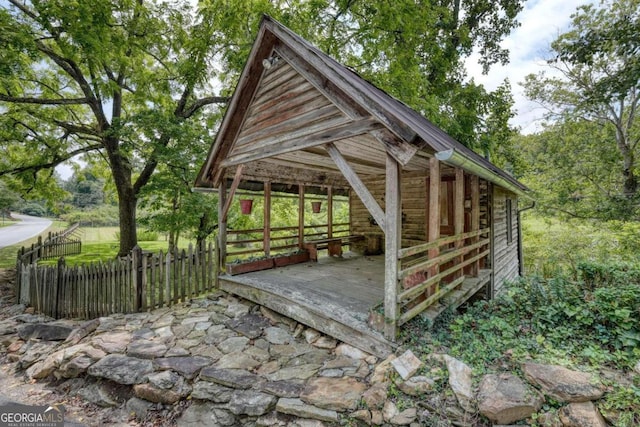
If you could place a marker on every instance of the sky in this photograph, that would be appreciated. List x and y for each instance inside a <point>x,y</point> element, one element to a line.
<point>529,45</point>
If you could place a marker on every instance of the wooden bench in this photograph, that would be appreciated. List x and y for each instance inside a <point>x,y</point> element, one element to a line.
<point>333,245</point>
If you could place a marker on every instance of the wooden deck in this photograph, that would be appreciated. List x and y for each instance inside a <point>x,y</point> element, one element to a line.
<point>334,296</point>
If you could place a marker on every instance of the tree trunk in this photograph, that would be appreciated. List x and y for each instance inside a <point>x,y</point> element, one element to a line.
<point>127,198</point>
<point>630,179</point>
<point>128,231</point>
<point>205,228</point>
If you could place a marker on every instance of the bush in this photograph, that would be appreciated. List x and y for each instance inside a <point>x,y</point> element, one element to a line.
<point>143,235</point>
<point>102,216</point>
<point>33,209</point>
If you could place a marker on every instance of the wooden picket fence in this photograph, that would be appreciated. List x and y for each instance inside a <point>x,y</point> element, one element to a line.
<point>139,282</point>
<point>55,245</point>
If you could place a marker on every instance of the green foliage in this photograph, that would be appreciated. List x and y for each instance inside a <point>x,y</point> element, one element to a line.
<point>586,159</point>
<point>555,320</point>
<point>143,235</point>
<point>103,215</point>
<point>552,247</point>
<point>33,209</point>
<point>85,189</point>
<point>621,404</point>
<point>8,198</point>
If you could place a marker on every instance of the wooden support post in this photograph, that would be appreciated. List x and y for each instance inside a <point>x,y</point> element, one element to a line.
<point>434,216</point>
<point>222,227</point>
<point>301,216</point>
<point>475,219</point>
<point>392,245</point>
<point>266,236</point>
<point>232,192</point>
<point>136,263</point>
<point>58,308</point>
<point>330,212</point>
<point>458,212</point>
<point>358,186</point>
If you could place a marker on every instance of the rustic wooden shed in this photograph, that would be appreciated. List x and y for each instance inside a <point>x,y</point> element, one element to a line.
<point>444,219</point>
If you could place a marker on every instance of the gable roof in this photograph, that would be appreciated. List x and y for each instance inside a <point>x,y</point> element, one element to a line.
<point>342,107</point>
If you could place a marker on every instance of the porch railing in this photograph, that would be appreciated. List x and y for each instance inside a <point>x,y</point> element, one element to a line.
<point>424,278</point>
<point>282,238</point>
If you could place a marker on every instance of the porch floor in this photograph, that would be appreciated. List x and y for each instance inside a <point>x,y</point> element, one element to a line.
<point>334,295</point>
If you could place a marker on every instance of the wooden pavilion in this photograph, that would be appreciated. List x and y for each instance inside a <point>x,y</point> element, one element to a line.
<point>443,219</point>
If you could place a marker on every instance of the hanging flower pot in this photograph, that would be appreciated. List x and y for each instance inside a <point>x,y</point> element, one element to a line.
<point>315,206</point>
<point>245,206</point>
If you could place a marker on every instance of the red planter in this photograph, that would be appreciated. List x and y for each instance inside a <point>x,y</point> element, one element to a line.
<point>249,266</point>
<point>245,206</point>
<point>315,207</point>
<point>284,260</point>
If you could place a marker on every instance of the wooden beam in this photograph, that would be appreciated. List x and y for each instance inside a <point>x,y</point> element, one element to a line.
<point>330,212</point>
<point>263,170</point>
<point>222,227</point>
<point>232,192</point>
<point>358,186</point>
<point>402,151</point>
<point>458,212</point>
<point>392,245</point>
<point>266,236</point>
<point>301,216</point>
<point>475,217</point>
<point>434,212</point>
<point>322,317</point>
<point>238,106</point>
<point>309,136</point>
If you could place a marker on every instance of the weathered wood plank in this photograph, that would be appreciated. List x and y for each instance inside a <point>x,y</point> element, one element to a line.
<point>393,233</point>
<point>456,298</point>
<point>413,292</point>
<point>358,186</point>
<point>414,311</point>
<point>329,130</point>
<point>287,303</point>
<point>407,252</point>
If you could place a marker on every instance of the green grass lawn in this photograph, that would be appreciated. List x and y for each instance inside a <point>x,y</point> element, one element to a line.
<point>98,244</point>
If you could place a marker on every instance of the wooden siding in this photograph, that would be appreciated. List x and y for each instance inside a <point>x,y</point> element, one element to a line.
<point>505,253</point>
<point>413,209</point>
<point>286,105</point>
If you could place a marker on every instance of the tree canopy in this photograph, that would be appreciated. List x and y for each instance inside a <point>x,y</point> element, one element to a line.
<point>592,96</point>
<point>132,83</point>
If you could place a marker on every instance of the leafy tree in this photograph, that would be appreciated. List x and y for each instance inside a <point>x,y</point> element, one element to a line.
<point>571,171</point>
<point>119,78</point>
<point>595,88</point>
<point>85,188</point>
<point>8,199</point>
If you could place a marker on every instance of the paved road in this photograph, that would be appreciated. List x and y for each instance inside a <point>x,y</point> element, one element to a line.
<point>30,226</point>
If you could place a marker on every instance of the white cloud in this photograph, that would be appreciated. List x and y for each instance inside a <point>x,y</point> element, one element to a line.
<point>529,46</point>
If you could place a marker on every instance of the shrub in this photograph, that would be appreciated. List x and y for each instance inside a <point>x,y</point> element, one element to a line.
<point>143,235</point>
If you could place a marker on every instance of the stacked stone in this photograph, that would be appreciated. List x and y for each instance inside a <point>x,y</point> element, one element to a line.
<point>224,361</point>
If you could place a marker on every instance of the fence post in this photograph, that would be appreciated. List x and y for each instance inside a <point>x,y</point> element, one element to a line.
<point>58,291</point>
<point>136,264</point>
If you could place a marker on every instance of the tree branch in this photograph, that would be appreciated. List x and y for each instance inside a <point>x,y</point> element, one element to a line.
<point>41,101</point>
<point>198,104</point>
<point>55,162</point>
<point>77,129</point>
